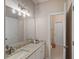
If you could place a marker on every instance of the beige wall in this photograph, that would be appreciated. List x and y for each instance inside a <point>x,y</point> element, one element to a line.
<point>68,4</point>
<point>42,13</point>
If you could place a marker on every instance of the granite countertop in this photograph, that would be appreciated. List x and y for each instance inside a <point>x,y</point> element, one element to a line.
<point>26,51</point>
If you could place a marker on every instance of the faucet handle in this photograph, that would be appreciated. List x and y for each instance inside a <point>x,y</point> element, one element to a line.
<point>7,48</point>
<point>12,49</point>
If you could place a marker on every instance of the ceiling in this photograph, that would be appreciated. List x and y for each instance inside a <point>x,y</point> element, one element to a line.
<point>39,1</point>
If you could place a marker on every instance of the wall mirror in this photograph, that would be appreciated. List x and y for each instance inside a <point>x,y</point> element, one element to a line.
<point>19,28</point>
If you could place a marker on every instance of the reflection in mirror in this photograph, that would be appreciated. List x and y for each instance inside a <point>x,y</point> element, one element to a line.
<point>19,30</point>
<point>13,27</point>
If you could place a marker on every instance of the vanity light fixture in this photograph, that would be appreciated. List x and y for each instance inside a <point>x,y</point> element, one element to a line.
<point>22,11</point>
<point>19,12</point>
<point>25,12</point>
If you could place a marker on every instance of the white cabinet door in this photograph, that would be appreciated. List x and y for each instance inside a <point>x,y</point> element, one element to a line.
<point>31,57</point>
<point>39,54</point>
<point>42,52</point>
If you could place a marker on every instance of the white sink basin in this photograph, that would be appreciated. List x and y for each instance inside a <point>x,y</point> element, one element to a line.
<point>19,54</point>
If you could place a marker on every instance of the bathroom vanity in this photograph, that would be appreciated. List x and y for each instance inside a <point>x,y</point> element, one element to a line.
<point>30,51</point>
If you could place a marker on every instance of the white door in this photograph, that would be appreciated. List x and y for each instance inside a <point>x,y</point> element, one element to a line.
<point>58,36</point>
<point>59,33</point>
<point>59,39</point>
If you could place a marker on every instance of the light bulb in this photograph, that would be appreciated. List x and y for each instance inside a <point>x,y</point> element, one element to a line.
<point>28,14</point>
<point>13,11</point>
<point>24,15</point>
<point>19,13</point>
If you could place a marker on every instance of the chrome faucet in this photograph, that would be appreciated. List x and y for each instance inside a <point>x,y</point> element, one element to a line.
<point>9,50</point>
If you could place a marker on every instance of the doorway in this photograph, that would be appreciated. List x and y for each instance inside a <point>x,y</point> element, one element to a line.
<point>57,36</point>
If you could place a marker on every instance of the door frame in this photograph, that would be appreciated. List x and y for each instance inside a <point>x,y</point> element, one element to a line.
<point>49,36</point>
